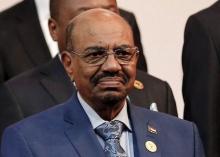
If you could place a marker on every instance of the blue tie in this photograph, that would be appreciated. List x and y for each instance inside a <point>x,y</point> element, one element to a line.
<point>111,133</point>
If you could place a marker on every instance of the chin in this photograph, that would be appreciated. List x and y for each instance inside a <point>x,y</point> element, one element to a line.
<point>112,98</point>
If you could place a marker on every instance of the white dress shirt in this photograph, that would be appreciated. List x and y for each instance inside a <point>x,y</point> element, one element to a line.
<point>126,139</point>
<point>43,15</point>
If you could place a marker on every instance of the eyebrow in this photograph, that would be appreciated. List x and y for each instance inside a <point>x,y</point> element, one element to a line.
<point>106,47</point>
<point>94,47</point>
<point>122,46</point>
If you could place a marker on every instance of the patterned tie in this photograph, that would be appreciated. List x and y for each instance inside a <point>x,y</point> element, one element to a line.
<point>111,132</point>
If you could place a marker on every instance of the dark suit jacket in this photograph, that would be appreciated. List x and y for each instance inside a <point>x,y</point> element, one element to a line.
<point>9,112</point>
<point>49,85</point>
<point>23,46</point>
<point>66,131</point>
<point>201,81</point>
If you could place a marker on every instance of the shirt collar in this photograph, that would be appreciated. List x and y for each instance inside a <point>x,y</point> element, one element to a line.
<point>96,120</point>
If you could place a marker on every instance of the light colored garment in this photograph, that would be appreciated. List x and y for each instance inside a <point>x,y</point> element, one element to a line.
<point>43,15</point>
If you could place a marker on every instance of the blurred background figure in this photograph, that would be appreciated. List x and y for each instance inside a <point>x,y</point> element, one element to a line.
<point>201,81</point>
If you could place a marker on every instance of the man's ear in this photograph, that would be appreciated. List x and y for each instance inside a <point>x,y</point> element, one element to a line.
<point>53,28</point>
<point>68,64</point>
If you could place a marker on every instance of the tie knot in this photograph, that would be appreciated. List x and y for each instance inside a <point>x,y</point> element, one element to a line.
<point>110,130</point>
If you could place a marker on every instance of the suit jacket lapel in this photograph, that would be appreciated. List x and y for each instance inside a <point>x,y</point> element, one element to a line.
<point>141,97</point>
<point>30,33</point>
<point>79,131</point>
<point>143,131</point>
<point>56,81</point>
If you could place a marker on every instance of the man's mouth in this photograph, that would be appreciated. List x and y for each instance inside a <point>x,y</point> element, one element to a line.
<point>110,82</point>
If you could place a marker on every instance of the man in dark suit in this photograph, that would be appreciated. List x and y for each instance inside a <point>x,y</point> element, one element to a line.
<point>23,44</point>
<point>48,85</point>
<point>98,120</point>
<point>201,81</point>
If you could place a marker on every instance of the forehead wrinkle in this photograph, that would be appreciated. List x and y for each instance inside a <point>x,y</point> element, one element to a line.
<point>91,32</point>
<point>118,28</point>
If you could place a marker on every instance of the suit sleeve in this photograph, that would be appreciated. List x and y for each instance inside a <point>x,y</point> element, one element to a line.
<point>201,87</point>
<point>14,144</point>
<point>171,103</point>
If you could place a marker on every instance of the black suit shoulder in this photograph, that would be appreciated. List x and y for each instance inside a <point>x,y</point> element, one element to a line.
<point>33,91</point>
<point>208,20</point>
<point>155,91</point>
<point>40,88</point>
<point>12,11</point>
<point>204,13</point>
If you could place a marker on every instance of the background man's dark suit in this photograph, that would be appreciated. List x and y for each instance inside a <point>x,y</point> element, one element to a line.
<point>23,45</point>
<point>9,112</point>
<point>48,85</point>
<point>201,82</point>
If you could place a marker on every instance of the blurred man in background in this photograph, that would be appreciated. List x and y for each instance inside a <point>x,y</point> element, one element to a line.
<point>201,79</point>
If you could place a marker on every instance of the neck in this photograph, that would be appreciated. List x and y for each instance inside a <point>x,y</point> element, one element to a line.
<point>108,111</point>
<point>106,107</point>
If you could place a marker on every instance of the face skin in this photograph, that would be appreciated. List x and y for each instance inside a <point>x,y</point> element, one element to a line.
<point>103,87</point>
<point>69,9</point>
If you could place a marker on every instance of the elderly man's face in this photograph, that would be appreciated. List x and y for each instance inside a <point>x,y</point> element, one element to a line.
<point>71,8</point>
<point>108,82</point>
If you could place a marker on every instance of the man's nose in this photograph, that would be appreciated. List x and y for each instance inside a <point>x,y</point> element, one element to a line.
<point>111,64</point>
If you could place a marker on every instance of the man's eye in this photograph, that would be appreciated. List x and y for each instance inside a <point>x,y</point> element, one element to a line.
<point>122,52</point>
<point>98,53</point>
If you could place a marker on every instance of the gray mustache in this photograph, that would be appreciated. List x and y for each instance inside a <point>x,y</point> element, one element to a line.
<point>96,78</point>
